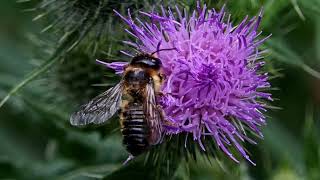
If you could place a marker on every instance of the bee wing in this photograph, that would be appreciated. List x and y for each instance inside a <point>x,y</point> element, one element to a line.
<point>99,109</point>
<point>154,116</point>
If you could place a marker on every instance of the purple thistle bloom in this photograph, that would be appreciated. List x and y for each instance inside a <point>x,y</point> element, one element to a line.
<point>213,81</point>
<point>117,66</point>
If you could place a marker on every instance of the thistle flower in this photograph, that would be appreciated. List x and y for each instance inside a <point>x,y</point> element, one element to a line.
<point>213,80</point>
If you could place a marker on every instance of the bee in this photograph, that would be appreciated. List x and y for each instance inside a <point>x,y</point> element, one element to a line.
<point>134,97</point>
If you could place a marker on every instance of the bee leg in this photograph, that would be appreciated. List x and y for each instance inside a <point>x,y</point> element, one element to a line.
<point>160,94</point>
<point>164,120</point>
<point>129,159</point>
<point>162,77</point>
<point>160,110</point>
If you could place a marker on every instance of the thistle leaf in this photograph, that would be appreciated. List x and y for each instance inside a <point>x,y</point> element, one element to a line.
<point>31,76</point>
<point>280,51</point>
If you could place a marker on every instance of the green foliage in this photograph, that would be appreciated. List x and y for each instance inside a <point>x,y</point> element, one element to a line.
<point>37,141</point>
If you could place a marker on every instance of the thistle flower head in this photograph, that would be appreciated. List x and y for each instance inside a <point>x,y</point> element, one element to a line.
<point>213,80</point>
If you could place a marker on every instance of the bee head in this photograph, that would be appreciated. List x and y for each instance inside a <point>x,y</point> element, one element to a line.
<point>146,60</point>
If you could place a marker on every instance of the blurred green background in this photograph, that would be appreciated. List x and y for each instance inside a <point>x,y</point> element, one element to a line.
<point>61,39</point>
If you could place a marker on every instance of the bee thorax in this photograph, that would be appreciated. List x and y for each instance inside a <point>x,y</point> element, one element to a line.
<point>136,76</point>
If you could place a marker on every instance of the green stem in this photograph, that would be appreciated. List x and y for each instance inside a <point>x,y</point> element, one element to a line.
<point>91,171</point>
<point>311,71</point>
<point>33,74</point>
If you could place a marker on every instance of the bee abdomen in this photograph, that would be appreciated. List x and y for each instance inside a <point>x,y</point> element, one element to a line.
<point>135,130</point>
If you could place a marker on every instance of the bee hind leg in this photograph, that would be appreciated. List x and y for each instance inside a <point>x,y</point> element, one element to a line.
<point>129,159</point>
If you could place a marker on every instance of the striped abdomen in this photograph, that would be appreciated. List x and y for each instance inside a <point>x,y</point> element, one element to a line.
<point>134,128</point>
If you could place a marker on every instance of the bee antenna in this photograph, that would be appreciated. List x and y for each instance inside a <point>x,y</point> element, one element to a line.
<point>168,49</point>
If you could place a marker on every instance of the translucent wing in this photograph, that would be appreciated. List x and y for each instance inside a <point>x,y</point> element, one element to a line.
<point>100,108</point>
<point>154,116</point>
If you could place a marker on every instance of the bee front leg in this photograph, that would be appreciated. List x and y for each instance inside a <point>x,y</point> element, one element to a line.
<point>162,77</point>
<point>165,122</point>
<point>160,93</point>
